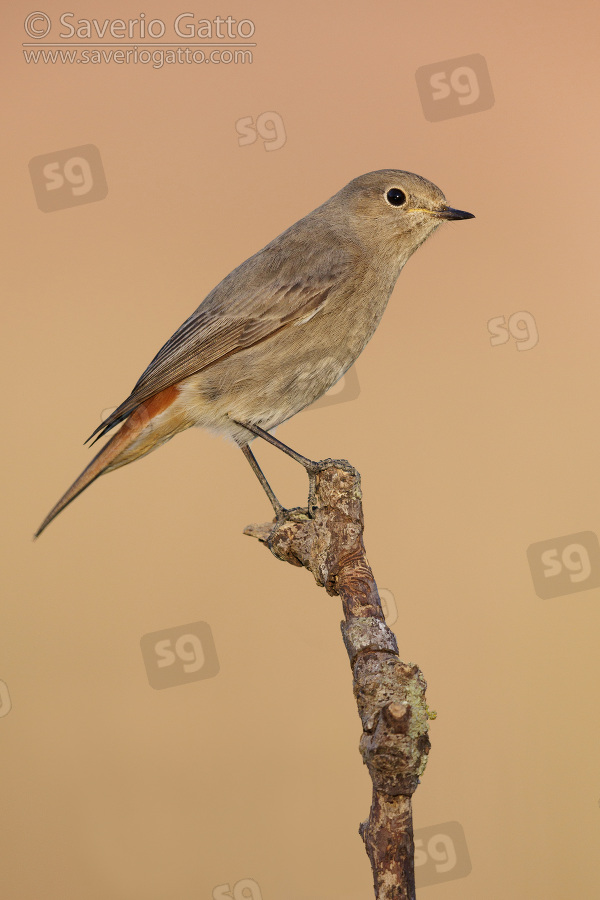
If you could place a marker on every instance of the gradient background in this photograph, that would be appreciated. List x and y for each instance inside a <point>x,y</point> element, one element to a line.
<point>469,454</point>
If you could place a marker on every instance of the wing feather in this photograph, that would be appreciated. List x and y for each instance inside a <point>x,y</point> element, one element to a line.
<point>254,302</point>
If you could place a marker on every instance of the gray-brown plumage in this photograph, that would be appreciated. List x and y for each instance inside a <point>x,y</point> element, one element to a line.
<point>283,327</point>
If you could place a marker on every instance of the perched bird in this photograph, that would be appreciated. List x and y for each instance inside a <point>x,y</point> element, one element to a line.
<point>279,330</point>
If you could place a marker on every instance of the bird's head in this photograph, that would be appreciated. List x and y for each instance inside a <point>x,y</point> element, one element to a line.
<point>393,211</point>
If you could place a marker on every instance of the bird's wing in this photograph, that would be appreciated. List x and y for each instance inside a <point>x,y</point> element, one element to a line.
<point>250,305</point>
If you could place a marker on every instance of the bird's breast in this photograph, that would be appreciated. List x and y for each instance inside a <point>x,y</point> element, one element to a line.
<point>273,380</point>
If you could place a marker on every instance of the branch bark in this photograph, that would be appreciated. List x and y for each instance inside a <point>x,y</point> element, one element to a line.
<point>390,694</point>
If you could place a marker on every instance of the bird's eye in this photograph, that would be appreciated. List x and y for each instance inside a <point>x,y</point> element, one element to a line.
<point>395,197</point>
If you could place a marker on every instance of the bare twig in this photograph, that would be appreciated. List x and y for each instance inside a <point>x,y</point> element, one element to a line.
<point>390,694</point>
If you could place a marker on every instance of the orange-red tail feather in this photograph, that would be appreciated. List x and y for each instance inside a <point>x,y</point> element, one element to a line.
<point>114,453</point>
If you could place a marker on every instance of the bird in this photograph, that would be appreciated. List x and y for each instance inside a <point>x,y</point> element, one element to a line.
<point>279,330</point>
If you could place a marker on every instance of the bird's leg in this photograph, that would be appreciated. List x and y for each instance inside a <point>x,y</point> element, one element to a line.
<point>311,467</point>
<point>277,506</point>
<point>308,464</point>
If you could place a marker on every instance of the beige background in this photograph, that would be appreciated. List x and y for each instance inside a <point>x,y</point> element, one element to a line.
<point>469,453</point>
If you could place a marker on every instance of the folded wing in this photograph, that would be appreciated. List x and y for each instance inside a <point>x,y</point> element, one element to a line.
<point>254,302</point>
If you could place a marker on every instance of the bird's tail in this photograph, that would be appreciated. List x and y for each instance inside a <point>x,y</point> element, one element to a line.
<point>150,425</point>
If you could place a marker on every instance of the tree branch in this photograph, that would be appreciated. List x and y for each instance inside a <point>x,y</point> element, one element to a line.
<point>390,694</point>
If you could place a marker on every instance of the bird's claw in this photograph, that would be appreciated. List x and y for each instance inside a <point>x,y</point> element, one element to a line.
<point>296,514</point>
<point>302,514</point>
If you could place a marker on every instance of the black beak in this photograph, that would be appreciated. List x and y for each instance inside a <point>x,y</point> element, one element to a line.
<point>451,214</point>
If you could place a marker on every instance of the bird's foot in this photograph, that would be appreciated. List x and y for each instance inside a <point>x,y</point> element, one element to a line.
<point>296,514</point>
<point>304,513</point>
